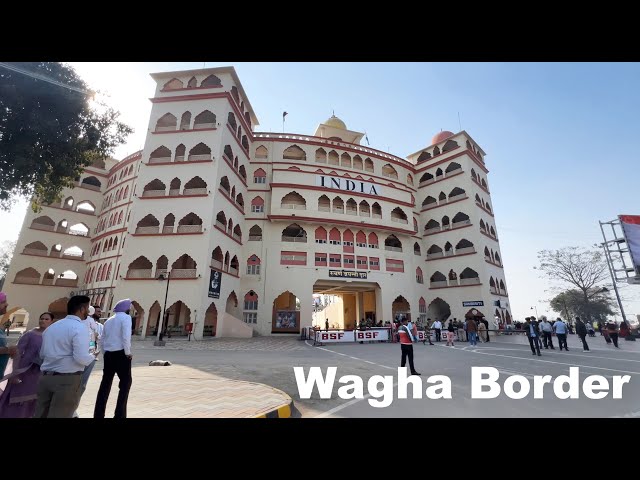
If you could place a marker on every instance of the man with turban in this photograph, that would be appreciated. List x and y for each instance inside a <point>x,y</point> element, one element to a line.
<point>115,344</point>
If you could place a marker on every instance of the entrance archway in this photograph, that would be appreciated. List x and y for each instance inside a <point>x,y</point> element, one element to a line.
<point>210,321</point>
<point>59,308</point>
<point>400,308</point>
<point>154,317</point>
<point>286,314</point>
<point>232,306</point>
<point>137,317</point>
<point>178,315</point>
<point>439,310</point>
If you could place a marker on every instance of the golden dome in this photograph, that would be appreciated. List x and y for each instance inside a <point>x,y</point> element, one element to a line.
<point>335,122</point>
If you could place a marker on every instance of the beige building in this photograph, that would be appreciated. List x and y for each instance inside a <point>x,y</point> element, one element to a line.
<point>237,228</point>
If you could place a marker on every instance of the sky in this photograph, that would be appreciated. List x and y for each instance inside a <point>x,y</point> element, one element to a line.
<point>559,137</point>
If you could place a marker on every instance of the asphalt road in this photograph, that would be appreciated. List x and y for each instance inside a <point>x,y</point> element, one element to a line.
<point>275,368</point>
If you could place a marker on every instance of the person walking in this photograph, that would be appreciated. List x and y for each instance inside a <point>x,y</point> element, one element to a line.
<point>482,331</point>
<point>406,346</point>
<point>427,333</point>
<point>116,345</point>
<point>5,351</point>
<point>612,330</point>
<point>533,334</point>
<point>94,335</point>
<point>451,330</point>
<point>65,354</point>
<point>547,330</point>
<point>437,327</point>
<point>561,331</point>
<point>21,393</point>
<point>581,331</point>
<point>326,324</point>
<point>472,330</point>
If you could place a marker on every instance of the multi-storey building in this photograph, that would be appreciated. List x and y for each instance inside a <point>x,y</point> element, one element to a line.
<point>236,229</point>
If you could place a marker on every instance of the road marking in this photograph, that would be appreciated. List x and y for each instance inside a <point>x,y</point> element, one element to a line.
<point>345,405</point>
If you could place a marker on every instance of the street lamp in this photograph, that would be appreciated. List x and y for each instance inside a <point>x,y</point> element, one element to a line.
<point>161,277</point>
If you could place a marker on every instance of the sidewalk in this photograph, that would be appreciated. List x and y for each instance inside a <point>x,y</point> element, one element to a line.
<point>573,342</point>
<point>179,391</point>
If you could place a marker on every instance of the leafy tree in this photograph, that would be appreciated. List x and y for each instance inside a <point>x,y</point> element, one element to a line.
<point>582,269</point>
<point>571,303</point>
<point>6,253</point>
<point>50,129</point>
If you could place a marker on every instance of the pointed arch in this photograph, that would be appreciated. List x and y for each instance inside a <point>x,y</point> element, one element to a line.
<point>166,123</point>
<point>294,152</point>
<point>211,81</point>
<point>200,152</point>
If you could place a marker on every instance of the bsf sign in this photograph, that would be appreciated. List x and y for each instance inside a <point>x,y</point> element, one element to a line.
<point>334,337</point>
<point>381,335</point>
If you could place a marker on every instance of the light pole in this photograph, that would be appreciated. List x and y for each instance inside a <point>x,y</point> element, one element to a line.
<point>159,342</point>
<point>536,309</point>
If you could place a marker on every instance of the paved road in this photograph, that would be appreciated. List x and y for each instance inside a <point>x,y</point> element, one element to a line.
<point>270,360</point>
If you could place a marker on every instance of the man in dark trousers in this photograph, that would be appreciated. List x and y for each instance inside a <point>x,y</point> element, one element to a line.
<point>65,354</point>
<point>326,325</point>
<point>533,334</point>
<point>116,345</point>
<point>581,331</point>
<point>406,345</point>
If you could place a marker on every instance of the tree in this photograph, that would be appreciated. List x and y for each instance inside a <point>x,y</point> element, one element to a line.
<point>6,253</point>
<point>50,129</point>
<point>583,269</point>
<point>571,303</point>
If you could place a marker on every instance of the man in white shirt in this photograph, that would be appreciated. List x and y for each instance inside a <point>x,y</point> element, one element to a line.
<point>65,354</point>
<point>437,326</point>
<point>116,345</point>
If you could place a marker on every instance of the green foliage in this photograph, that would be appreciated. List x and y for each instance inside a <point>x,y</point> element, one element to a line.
<point>49,131</point>
<point>597,305</point>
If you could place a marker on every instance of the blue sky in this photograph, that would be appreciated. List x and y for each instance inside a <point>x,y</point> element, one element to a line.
<point>559,137</point>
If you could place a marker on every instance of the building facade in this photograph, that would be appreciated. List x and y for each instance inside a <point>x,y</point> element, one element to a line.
<point>231,231</point>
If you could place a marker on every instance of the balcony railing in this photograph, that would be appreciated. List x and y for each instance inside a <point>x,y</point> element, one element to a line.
<point>429,205</point>
<point>35,251</point>
<point>152,229</point>
<point>255,238</point>
<point>293,206</point>
<point>200,126</point>
<point>426,182</point>
<point>338,210</point>
<point>169,128</point>
<point>294,239</point>
<point>89,186</point>
<point>153,193</point>
<point>461,223</point>
<point>324,209</point>
<point>237,237</point>
<point>179,158</point>
<point>167,229</point>
<point>67,282</point>
<point>453,282</point>
<point>216,264</point>
<point>352,211</point>
<point>42,226</point>
<point>493,290</point>
<point>376,215</point>
<point>221,226</point>
<point>80,233</point>
<point>460,196</point>
<point>393,249</point>
<point>28,280</point>
<point>174,192</point>
<point>365,213</point>
<point>160,160</point>
<point>452,172</point>
<point>233,271</point>
<point>448,253</point>
<point>73,256</point>
<point>195,191</point>
<point>462,251</point>
<point>45,281</point>
<point>189,228</point>
<point>183,273</point>
<point>427,231</point>
<point>435,255</point>
<point>195,158</point>
<point>139,273</point>
<point>442,283</point>
<point>470,281</point>
<point>399,220</point>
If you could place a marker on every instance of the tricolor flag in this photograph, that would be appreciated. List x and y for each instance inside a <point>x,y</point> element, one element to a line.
<point>631,229</point>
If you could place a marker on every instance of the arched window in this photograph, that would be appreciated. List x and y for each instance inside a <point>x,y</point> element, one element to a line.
<point>294,152</point>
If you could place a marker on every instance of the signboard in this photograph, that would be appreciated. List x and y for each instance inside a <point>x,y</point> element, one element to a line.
<point>474,303</point>
<point>377,335</point>
<point>347,274</point>
<point>422,336</point>
<point>631,230</point>
<point>215,280</point>
<point>335,337</point>
<point>348,185</point>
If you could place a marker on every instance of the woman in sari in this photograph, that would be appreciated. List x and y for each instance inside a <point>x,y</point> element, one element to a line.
<point>19,397</point>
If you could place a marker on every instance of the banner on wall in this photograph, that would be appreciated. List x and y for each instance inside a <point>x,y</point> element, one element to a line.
<point>215,281</point>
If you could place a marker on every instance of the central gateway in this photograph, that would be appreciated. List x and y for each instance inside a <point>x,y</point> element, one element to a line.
<point>345,302</point>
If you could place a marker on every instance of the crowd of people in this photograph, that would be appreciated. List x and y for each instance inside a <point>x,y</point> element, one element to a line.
<point>52,363</point>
